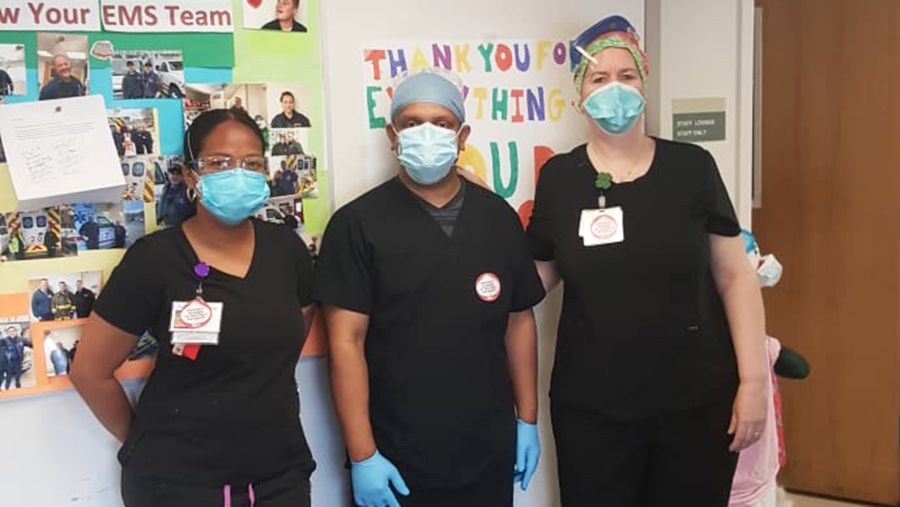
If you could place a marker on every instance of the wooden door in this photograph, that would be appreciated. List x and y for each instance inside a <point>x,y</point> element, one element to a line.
<point>830,211</point>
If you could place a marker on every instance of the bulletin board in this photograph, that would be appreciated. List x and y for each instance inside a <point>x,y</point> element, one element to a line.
<point>204,54</point>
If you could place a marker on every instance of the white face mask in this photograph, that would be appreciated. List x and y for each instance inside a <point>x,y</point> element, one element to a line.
<point>427,152</point>
<point>769,273</point>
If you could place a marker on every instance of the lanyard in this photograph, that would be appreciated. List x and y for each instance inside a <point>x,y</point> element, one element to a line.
<point>192,318</point>
<point>201,269</point>
<point>603,183</point>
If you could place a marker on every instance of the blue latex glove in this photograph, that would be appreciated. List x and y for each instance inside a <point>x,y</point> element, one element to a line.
<point>528,452</point>
<point>372,480</point>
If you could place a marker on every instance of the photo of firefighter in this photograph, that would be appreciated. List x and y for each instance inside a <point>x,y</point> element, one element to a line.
<point>65,296</point>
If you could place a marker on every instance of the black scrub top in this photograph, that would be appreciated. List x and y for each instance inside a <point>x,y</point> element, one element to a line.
<point>441,401</point>
<point>231,416</point>
<point>642,329</point>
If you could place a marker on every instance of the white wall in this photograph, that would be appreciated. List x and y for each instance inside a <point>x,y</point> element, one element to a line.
<point>704,49</point>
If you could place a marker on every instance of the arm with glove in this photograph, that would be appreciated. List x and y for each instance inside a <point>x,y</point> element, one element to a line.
<point>521,348</point>
<point>373,477</point>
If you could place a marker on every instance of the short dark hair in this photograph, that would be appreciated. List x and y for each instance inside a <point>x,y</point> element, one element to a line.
<point>296,4</point>
<point>129,63</point>
<point>148,63</point>
<point>286,94</point>
<point>205,123</point>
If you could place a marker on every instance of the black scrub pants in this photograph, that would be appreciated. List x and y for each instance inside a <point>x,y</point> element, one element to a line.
<point>495,489</point>
<point>290,488</point>
<point>672,460</point>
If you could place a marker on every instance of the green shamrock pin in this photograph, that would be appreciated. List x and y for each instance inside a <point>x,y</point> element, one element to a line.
<point>604,181</point>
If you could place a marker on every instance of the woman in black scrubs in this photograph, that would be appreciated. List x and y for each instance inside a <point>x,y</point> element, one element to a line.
<point>660,371</point>
<point>218,422</point>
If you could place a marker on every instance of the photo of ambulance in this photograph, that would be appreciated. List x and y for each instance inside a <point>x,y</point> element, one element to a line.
<point>33,226</point>
<point>136,171</point>
<point>93,231</point>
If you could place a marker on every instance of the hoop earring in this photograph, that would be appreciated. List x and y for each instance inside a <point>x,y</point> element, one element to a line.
<point>192,194</point>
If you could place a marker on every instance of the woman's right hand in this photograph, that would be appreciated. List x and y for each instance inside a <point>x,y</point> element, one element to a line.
<point>748,420</point>
<point>101,350</point>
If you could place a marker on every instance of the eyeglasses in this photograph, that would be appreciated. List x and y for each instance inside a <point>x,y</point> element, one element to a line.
<point>255,163</point>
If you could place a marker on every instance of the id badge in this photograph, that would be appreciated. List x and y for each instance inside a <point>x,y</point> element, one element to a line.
<point>602,227</point>
<point>195,322</point>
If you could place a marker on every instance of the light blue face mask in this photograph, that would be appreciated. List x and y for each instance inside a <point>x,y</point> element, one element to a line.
<point>427,152</point>
<point>615,107</point>
<point>234,195</point>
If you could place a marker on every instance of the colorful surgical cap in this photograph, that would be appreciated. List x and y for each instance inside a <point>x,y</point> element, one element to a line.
<point>610,32</point>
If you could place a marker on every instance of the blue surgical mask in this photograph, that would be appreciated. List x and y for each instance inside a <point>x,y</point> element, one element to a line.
<point>234,195</point>
<point>427,152</point>
<point>615,107</point>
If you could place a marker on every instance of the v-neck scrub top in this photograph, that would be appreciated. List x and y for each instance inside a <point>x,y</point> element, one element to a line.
<point>642,330</point>
<point>441,401</point>
<point>232,415</point>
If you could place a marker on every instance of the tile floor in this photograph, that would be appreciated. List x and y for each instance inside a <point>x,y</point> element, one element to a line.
<point>808,501</point>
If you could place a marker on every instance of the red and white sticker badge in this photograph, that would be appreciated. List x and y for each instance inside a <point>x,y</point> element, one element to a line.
<point>487,286</point>
<point>194,315</point>
<point>602,227</point>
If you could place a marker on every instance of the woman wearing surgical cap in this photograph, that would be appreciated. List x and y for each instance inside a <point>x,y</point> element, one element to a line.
<point>660,375</point>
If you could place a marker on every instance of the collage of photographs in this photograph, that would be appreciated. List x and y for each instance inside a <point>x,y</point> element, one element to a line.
<point>16,355</point>
<point>292,170</point>
<point>58,305</point>
<point>154,86</point>
<point>274,107</point>
<point>66,230</point>
<point>150,177</point>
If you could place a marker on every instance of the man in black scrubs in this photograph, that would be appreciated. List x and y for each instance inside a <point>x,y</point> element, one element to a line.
<point>428,292</point>
<point>64,84</point>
